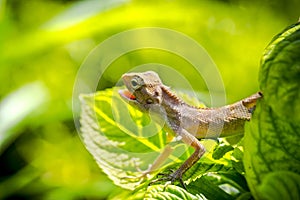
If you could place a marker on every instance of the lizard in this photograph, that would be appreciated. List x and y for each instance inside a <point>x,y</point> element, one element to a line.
<point>146,92</point>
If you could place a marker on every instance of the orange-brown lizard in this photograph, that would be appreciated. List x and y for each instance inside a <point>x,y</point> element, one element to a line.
<point>146,92</point>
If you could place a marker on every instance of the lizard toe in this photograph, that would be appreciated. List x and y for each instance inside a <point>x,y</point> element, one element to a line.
<point>171,178</point>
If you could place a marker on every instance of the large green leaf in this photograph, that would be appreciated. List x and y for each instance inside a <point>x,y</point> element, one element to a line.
<point>122,146</point>
<point>272,138</point>
<point>280,74</point>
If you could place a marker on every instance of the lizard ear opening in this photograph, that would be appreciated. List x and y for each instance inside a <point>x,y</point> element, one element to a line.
<point>158,99</point>
<point>157,96</point>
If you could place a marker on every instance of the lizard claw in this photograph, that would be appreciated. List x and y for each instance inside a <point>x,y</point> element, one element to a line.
<point>170,178</point>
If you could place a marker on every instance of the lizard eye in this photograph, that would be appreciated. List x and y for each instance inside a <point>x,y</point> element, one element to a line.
<point>134,83</point>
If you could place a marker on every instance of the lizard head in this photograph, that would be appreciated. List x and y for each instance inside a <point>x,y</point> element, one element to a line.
<point>143,89</point>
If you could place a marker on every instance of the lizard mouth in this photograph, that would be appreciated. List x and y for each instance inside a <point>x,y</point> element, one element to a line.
<point>127,95</point>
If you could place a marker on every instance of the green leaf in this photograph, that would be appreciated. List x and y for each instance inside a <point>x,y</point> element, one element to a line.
<point>280,74</point>
<point>221,150</point>
<point>271,144</point>
<point>272,137</point>
<point>235,179</point>
<point>204,166</point>
<point>238,154</point>
<point>234,139</point>
<point>280,185</point>
<point>170,192</point>
<point>237,160</point>
<point>245,196</point>
<point>207,186</point>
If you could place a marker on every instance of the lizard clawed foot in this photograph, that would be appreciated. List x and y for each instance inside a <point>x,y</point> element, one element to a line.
<point>170,178</point>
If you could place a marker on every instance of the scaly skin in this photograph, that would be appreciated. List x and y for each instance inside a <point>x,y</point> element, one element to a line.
<point>147,92</point>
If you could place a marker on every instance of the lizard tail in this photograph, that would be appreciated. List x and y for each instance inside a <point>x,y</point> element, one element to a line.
<point>250,102</point>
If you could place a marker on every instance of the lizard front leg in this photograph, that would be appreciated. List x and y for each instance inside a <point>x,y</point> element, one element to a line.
<point>192,141</point>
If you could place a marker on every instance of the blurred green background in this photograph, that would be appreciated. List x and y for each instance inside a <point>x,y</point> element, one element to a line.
<point>44,42</point>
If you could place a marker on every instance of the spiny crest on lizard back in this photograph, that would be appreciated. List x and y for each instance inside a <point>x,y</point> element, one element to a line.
<point>172,96</point>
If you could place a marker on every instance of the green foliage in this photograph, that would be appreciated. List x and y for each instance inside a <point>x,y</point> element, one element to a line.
<point>272,157</point>
<point>279,75</point>
<point>221,150</point>
<point>33,95</point>
<point>43,44</point>
<point>280,185</point>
